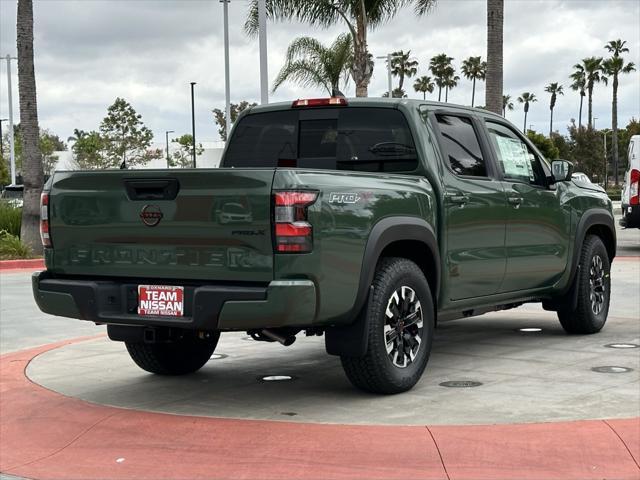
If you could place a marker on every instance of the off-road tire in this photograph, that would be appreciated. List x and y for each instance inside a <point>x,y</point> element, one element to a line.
<point>175,358</point>
<point>583,320</point>
<point>375,371</point>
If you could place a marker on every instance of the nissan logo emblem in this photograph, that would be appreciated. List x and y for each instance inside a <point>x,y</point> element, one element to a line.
<point>151,215</point>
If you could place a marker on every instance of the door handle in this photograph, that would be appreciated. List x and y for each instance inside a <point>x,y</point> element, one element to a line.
<point>515,201</point>
<point>459,199</point>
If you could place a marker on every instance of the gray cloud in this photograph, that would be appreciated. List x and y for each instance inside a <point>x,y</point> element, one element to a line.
<point>88,52</point>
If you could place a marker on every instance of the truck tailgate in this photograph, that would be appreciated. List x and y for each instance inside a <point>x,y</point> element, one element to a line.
<point>176,224</point>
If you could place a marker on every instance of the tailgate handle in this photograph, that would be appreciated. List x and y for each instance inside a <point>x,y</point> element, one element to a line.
<point>152,189</point>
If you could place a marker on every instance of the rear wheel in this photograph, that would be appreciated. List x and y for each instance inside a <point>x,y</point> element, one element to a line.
<point>400,330</point>
<point>179,357</point>
<point>594,290</point>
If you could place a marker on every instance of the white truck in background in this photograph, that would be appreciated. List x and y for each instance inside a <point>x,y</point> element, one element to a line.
<point>631,189</point>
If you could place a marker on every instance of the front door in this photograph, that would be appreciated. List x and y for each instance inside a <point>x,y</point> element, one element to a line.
<point>475,211</point>
<point>538,226</point>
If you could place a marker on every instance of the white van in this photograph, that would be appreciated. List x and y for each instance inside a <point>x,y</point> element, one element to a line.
<point>630,190</point>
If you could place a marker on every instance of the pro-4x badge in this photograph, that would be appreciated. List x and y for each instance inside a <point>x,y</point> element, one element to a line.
<point>339,198</point>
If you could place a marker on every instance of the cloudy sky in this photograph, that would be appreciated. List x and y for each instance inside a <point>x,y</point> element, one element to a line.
<point>88,52</point>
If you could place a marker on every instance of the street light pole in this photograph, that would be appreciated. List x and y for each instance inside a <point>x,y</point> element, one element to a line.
<point>594,122</point>
<point>167,132</point>
<point>389,58</point>
<point>12,142</point>
<point>227,92</point>
<point>193,125</point>
<point>262,39</point>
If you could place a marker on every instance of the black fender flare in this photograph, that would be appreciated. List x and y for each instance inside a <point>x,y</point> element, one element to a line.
<point>568,298</point>
<point>350,337</point>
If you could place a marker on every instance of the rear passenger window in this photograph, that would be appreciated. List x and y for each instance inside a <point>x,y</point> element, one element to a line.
<point>461,146</point>
<point>342,138</point>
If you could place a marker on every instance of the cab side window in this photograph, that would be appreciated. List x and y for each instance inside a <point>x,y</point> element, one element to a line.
<point>516,159</point>
<point>461,146</point>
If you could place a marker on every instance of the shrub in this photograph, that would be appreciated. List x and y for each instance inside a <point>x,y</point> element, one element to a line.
<point>11,247</point>
<point>10,219</point>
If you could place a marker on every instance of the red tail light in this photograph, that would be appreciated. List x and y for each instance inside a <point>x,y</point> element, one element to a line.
<point>319,102</point>
<point>44,220</point>
<point>293,232</point>
<point>634,184</point>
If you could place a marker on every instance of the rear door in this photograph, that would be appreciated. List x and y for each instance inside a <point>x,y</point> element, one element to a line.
<point>538,226</point>
<point>475,211</point>
<point>178,224</point>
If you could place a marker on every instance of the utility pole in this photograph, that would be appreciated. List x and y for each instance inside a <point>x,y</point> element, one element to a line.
<point>227,92</point>
<point>11,133</point>
<point>262,39</point>
<point>166,133</point>
<point>193,125</point>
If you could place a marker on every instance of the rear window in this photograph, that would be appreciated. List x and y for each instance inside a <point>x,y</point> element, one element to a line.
<point>360,139</point>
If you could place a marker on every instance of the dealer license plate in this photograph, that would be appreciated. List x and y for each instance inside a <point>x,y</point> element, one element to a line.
<point>161,300</point>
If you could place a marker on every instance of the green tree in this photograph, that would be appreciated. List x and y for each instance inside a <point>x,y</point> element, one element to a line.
<point>4,172</point>
<point>493,84</point>
<point>507,104</point>
<point>578,85</point>
<point>473,68</point>
<point>402,65</point>
<point>613,67</point>
<point>396,93</point>
<point>592,68</point>
<point>554,89</point>
<point>526,98</point>
<point>127,139</point>
<point>586,150</point>
<point>311,64</point>
<point>49,144</point>
<point>424,84</point>
<point>32,173</point>
<point>450,81</point>
<point>544,144</point>
<point>183,156</point>
<point>221,118</point>
<point>359,16</point>
<point>88,150</point>
<point>440,67</point>
<point>562,144</point>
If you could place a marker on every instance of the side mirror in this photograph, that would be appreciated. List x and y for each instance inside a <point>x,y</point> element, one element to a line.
<point>561,170</point>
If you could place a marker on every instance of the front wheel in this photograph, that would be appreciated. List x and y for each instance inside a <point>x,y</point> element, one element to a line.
<point>400,320</point>
<point>593,282</point>
<point>179,357</point>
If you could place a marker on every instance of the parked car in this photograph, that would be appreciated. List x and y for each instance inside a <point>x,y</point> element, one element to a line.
<point>12,194</point>
<point>630,191</point>
<point>372,220</point>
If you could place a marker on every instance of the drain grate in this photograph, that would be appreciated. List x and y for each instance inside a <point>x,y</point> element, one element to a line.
<point>276,378</point>
<point>218,356</point>
<point>622,345</point>
<point>611,369</point>
<point>461,384</point>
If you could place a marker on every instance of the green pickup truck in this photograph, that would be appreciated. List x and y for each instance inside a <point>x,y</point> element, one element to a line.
<point>367,221</point>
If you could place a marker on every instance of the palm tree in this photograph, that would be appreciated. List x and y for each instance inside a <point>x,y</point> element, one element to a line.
<point>358,15</point>
<point>403,66</point>
<point>507,104</point>
<point>493,85</point>
<point>424,84</point>
<point>450,81</point>
<point>579,84</point>
<point>554,89</point>
<point>32,172</point>
<point>311,64</point>
<point>439,67</point>
<point>526,98</point>
<point>473,68</point>
<point>593,74</point>
<point>613,67</point>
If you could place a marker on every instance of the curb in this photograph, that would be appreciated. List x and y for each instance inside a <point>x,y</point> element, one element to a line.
<point>37,263</point>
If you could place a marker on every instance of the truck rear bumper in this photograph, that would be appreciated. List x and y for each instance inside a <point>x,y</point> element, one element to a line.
<point>207,307</point>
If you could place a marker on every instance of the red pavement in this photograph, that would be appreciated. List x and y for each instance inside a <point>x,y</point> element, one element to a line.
<point>22,264</point>
<point>45,435</point>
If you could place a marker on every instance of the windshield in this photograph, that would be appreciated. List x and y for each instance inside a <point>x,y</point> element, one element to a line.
<point>361,139</point>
